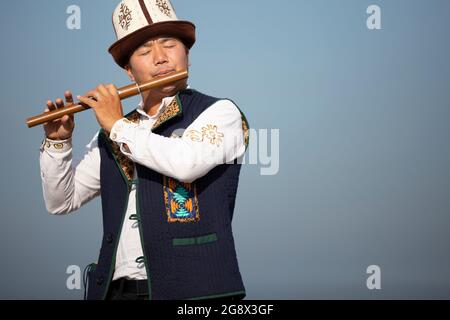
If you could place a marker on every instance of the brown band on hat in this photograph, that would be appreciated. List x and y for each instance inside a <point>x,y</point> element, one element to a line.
<point>145,11</point>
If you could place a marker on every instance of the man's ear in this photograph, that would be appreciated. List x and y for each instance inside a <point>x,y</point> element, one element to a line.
<point>129,72</point>
<point>187,56</point>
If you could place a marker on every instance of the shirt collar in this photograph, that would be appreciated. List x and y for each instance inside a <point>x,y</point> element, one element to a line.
<point>164,103</point>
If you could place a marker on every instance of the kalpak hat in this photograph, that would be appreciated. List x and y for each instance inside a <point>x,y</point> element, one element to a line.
<point>136,21</point>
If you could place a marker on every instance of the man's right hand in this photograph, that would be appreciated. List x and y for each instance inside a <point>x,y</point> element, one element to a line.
<point>60,129</point>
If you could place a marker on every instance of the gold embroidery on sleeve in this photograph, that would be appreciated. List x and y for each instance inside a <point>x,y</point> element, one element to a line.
<point>209,132</point>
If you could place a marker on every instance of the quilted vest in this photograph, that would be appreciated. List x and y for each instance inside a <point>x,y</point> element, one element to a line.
<point>185,228</point>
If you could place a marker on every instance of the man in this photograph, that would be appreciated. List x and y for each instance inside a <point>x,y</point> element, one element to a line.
<point>167,194</point>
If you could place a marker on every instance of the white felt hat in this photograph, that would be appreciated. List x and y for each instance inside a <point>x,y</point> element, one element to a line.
<point>136,21</point>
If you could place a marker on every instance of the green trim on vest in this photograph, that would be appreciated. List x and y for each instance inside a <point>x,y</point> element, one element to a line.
<point>248,128</point>
<point>194,241</point>
<point>102,132</point>
<point>138,216</point>
<point>112,266</point>
<point>141,238</point>
<point>244,118</point>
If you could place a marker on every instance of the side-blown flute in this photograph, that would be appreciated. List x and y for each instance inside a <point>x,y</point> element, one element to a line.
<point>124,92</point>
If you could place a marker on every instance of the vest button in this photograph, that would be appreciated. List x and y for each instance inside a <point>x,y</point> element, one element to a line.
<point>100,280</point>
<point>109,238</point>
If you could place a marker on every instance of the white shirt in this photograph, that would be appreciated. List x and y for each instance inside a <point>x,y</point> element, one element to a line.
<point>214,137</point>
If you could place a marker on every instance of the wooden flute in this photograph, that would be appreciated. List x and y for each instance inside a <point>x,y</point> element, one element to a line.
<point>124,92</point>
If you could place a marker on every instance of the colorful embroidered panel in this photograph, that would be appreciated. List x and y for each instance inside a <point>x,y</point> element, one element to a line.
<point>181,201</point>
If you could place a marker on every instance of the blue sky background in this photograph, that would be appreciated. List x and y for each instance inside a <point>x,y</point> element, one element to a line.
<point>363,115</point>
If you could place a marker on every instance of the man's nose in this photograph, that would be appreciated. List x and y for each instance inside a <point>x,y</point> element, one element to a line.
<point>160,55</point>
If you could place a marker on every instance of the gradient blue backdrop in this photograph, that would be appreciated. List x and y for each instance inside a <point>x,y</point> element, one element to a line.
<point>364,141</point>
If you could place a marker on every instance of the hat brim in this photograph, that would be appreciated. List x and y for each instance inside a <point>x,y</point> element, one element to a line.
<point>122,49</point>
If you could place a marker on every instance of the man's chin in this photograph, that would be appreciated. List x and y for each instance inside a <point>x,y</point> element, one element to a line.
<point>168,89</point>
<point>172,89</point>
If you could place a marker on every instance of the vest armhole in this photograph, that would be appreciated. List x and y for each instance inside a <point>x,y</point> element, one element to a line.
<point>245,125</point>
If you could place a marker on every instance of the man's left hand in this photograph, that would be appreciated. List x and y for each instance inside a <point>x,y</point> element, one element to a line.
<point>106,105</point>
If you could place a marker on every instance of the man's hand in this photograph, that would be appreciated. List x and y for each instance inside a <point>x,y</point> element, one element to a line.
<point>60,129</point>
<point>105,102</point>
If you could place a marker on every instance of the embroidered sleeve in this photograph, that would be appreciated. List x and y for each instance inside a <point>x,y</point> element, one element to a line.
<point>215,137</point>
<point>207,133</point>
<point>119,126</point>
<point>58,146</point>
<point>67,184</point>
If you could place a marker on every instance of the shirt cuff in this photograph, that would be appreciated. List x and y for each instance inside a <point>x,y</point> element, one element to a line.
<point>58,146</point>
<point>118,128</point>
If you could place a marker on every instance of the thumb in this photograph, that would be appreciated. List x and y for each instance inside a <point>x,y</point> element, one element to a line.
<point>67,122</point>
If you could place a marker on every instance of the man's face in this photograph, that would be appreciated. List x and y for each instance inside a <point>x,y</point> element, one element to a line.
<point>156,58</point>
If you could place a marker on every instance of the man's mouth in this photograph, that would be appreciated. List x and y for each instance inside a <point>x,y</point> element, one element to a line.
<point>163,73</point>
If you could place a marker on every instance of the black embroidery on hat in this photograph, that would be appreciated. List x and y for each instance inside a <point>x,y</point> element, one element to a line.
<point>125,16</point>
<point>164,7</point>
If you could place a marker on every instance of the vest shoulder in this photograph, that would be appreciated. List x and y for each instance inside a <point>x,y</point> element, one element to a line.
<point>193,96</point>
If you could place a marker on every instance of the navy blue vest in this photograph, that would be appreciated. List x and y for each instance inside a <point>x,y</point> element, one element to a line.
<point>185,228</point>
